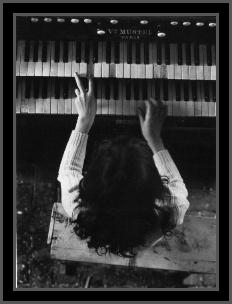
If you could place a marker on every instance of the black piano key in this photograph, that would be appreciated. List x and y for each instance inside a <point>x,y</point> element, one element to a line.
<point>65,52</point>
<point>129,52</point>
<point>177,97</point>
<point>36,88</point>
<point>78,51</point>
<point>57,88</point>
<point>157,89</point>
<point>95,52</point>
<point>27,88</point>
<point>108,51</point>
<point>144,90</point>
<point>214,91</point>
<point>159,53</point>
<point>57,51</point>
<point>87,52</point>
<point>165,88</point>
<point>196,54</point>
<point>209,54</point>
<point>44,88</point>
<point>44,51</point>
<point>194,90</point>
<point>107,90</point>
<point>180,58</point>
<point>206,90</point>
<point>116,52</point>
<point>137,53</point>
<point>17,86</point>
<point>136,90</point>
<point>85,83</point>
<point>115,89</point>
<point>35,51</point>
<point>188,54</point>
<point>65,88</point>
<point>146,53</point>
<point>27,51</point>
<point>167,53</point>
<point>186,90</point>
<point>128,90</point>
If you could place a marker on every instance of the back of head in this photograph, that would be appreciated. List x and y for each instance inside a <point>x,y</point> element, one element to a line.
<point>117,197</point>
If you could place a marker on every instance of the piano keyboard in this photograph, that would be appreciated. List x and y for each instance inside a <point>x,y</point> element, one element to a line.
<point>116,59</point>
<point>55,95</point>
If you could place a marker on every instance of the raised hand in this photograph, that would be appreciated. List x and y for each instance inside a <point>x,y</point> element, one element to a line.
<point>86,105</point>
<point>151,117</point>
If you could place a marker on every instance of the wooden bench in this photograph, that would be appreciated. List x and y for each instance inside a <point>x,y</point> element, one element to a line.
<point>192,247</point>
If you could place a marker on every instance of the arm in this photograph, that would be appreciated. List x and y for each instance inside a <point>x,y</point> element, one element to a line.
<point>70,171</point>
<point>151,120</point>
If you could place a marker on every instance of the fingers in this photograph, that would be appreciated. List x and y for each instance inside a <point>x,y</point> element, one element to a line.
<point>79,83</point>
<point>91,85</point>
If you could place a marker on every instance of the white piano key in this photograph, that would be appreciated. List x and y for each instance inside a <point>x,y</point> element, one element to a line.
<point>23,64</point>
<point>38,64</point>
<point>183,110</point>
<point>47,100</point>
<point>18,57</point>
<point>120,98</point>
<point>68,100</point>
<point>97,65</point>
<point>205,104</point>
<point>141,66</point>
<point>149,66</point>
<point>134,68</point>
<point>75,65</point>
<point>133,103</point>
<point>213,67</point>
<point>175,103</point>
<point>83,64</point>
<point>177,67</point>
<point>112,101</point>
<point>99,96</point>
<point>31,63</point>
<point>200,70</point>
<point>192,67</point>
<point>126,66</point>
<point>212,104</point>
<point>140,102</point>
<point>54,65</point>
<point>190,104</point>
<point>31,100</point>
<point>206,68</point>
<point>61,62</point>
<point>156,66</point>
<point>170,100</point>
<point>149,89</point>
<point>163,67</point>
<point>68,65</point>
<point>184,67</point>
<point>90,66</point>
<point>24,101</point>
<point>198,103</point>
<point>119,66</point>
<point>39,100</point>
<point>18,96</point>
<point>126,102</point>
<point>61,103</point>
<point>54,101</point>
<point>105,66</point>
<point>47,64</point>
<point>105,103</point>
<point>171,66</point>
<point>112,64</point>
<point>73,97</point>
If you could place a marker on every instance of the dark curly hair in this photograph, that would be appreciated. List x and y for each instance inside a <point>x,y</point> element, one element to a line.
<point>117,206</point>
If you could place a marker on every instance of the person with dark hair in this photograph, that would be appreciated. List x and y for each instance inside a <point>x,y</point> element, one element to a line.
<point>132,187</point>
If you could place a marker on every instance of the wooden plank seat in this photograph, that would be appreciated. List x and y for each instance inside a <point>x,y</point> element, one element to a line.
<point>191,248</point>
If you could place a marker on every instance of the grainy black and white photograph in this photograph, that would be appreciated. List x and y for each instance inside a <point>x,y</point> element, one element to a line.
<point>116,151</point>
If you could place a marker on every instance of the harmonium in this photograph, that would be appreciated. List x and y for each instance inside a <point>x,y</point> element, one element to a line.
<point>132,58</point>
